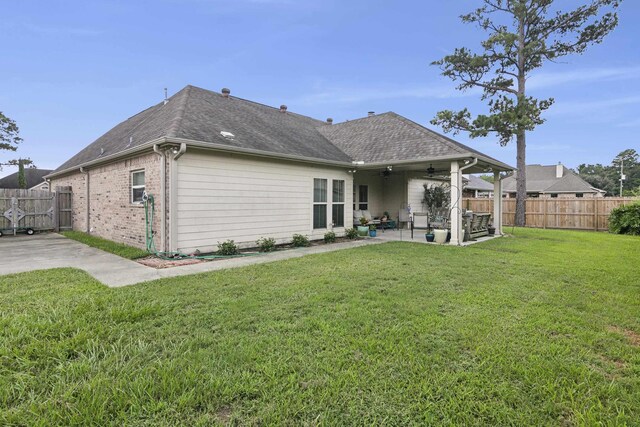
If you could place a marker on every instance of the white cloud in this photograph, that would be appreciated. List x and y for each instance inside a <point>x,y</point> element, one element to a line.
<point>582,107</point>
<point>355,95</point>
<point>586,75</point>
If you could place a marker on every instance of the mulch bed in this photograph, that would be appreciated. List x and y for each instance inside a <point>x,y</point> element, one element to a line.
<point>155,262</point>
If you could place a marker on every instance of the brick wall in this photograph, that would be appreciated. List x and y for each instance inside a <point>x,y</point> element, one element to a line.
<point>112,215</point>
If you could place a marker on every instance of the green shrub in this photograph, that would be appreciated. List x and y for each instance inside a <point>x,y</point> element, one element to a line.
<point>625,219</point>
<point>266,244</point>
<point>228,247</point>
<point>299,240</point>
<point>351,233</point>
<point>329,237</point>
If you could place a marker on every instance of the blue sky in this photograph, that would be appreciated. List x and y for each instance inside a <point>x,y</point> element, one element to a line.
<point>71,70</point>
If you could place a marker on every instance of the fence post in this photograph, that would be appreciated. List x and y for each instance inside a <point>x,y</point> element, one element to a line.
<point>595,214</point>
<point>56,215</point>
<point>544,211</point>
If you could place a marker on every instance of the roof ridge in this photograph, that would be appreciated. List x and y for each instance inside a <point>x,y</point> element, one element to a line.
<point>257,103</point>
<point>363,118</point>
<point>180,109</point>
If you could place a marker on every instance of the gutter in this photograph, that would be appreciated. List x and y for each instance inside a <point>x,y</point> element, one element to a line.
<point>436,159</point>
<point>473,163</point>
<point>124,153</point>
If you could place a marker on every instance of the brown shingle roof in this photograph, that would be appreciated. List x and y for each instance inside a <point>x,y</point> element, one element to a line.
<point>200,115</point>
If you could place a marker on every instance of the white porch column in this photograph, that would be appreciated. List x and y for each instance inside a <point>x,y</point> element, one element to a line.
<point>497,203</point>
<point>456,204</point>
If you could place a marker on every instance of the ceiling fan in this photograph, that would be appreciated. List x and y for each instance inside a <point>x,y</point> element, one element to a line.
<point>431,171</point>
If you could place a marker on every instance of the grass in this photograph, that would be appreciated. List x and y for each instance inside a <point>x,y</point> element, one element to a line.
<point>538,329</point>
<point>120,249</point>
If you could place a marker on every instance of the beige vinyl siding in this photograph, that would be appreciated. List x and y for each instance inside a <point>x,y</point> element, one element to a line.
<point>415,188</point>
<point>223,196</point>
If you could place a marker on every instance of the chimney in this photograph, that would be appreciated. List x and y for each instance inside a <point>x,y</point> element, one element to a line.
<point>283,108</point>
<point>372,113</point>
<point>330,121</point>
<point>559,170</point>
<point>226,92</point>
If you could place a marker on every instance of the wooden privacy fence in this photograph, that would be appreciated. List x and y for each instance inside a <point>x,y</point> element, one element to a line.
<point>35,210</point>
<point>574,213</point>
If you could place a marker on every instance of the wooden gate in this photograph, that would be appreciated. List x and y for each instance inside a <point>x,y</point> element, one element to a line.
<point>37,210</point>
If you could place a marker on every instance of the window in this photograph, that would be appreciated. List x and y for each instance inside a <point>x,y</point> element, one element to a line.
<point>137,186</point>
<point>554,196</point>
<point>319,203</point>
<point>579,195</point>
<point>363,198</point>
<point>337,206</point>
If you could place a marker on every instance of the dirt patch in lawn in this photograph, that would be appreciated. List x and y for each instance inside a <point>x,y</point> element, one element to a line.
<point>632,336</point>
<point>155,262</point>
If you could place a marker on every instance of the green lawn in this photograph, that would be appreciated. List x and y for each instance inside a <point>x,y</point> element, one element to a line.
<point>538,329</point>
<point>120,249</point>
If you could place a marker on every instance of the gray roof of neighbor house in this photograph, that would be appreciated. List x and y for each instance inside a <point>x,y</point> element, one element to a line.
<point>477,183</point>
<point>31,175</point>
<point>201,115</point>
<point>542,179</point>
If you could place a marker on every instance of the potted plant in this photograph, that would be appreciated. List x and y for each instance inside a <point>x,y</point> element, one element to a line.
<point>429,236</point>
<point>436,199</point>
<point>491,229</point>
<point>363,229</point>
<point>372,230</point>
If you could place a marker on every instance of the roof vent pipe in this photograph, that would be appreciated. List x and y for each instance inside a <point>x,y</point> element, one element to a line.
<point>226,92</point>
<point>330,121</point>
<point>372,113</point>
<point>283,108</point>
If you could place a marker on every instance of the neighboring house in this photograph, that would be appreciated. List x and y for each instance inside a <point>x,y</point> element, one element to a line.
<point>477,187</point>
<point>221,167</point>
<point>33,177</point>
<point>552,181</point>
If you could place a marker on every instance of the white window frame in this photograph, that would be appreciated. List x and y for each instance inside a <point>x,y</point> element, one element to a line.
<point>326,203</point>
<point>137,187</point>
<point>342,203</point>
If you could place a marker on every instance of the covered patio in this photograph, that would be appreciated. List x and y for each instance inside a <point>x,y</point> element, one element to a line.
<point>397,189</point>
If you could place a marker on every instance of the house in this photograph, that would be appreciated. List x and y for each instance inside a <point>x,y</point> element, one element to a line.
<point>552,181</point>
<point>221,167</point>
<point>34,178</point>
<point>474,186</point>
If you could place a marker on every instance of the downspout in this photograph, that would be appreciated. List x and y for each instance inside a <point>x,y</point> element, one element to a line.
<point>173,197</point>
<point>473,163</point>
<point>88,213</point>
<point>163,179</point>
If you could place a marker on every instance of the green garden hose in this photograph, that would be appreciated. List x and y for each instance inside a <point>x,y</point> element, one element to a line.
<point>149,212</point>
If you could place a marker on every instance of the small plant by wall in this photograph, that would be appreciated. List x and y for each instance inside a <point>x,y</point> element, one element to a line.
<point>351,233</point>
<point>329,237</point>
<point>266,244</point>
<point>299,240</point>
<point>228,247</point>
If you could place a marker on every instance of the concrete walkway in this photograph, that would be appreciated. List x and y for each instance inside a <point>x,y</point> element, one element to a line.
<point>42,251</point>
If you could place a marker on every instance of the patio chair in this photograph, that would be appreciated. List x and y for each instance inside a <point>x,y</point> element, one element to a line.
<point>370,220</point>
<point>479,225</point>
<point>420,220</point>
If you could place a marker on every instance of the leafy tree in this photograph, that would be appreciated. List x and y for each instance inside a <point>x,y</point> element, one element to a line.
<point>9,140</point>
<point>522,36</point>
<point>488,178</point>
<point>608,177</point>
